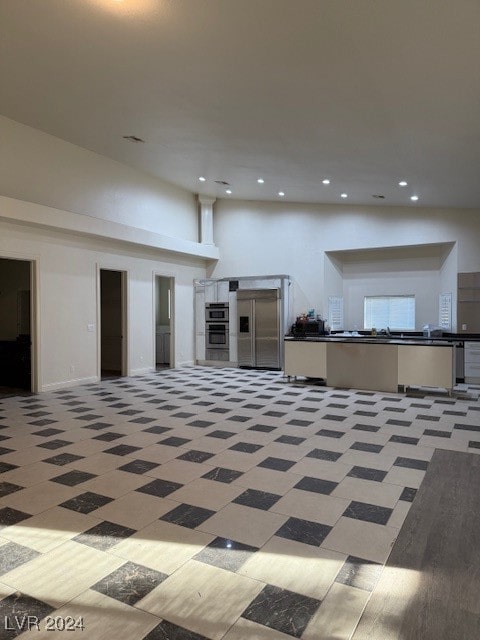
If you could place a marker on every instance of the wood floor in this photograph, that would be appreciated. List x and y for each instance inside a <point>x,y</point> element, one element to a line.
<point>430,587</point>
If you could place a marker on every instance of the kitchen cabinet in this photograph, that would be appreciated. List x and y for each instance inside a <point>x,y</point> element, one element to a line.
<point>472,362</point>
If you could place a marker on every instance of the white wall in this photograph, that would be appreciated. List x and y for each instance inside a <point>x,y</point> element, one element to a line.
<point>258,237</point>
<point>40,168</point>
<point>68,294</point>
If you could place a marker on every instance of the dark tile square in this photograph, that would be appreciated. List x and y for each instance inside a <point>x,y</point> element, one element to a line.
<point>12,555</point>
<point>251,405</point>
<point>6,488</point>
<point>408,494</point>
<point>109,436</point>
<point>263,428</point>
<point>323,454</point>
<point>122,450</point>
<point>365,473</point>
<point>47,432</point>
<point>157,429</point>
<point>257,499</point>
<point>367,446</point>
<point>187,515</point>
<point>367,512</point>
<point>72,478</point>
<point>300,423</point>
<point>202,424</point>
<point>129,583</point>
<point>138,466</point>
<point>196,456</point>
<point>98,426</point>
<point>105,535</point>
<point>467,427</point>
<point>274,414</point>
<point>226,554</point>
<point>282,610</point>
<point>239,418</point>
<point>63,458</point>
<point>246,447</point>
<point>329,433</point>
<point>219,410</point>
<point>9,516</point>
<point>366,427</point>
<point>426,416</point>
<point>129,412</point>
<point>399,423</point>
<point>89,416</point>
<point>169,631</point>
<point>86,502</point>
<point>54,444</point>
<point>359,573</point>
<point>411,463</point>
<point>279,464</point>
<point>313,533</point>
<point>293,440</point>
<point>404,440</point>
<point>18,607</point>
<point>437,433</point>
<point>316,485</point>
<point>219,474</point>
<point>142,420</point>
<point>172,441</point>
<point>159,488</point>
<point>221,434</point>
<point>334,417</point>
<point>42,422</point>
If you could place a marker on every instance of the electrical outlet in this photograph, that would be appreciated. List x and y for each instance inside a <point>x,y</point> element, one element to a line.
<point>464,327</point>
<point>90,327</point>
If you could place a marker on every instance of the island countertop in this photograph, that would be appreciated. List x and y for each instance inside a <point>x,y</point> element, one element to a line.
<point>429,342</point>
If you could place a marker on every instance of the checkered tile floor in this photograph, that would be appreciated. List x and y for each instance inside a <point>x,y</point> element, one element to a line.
<point>208,503</point>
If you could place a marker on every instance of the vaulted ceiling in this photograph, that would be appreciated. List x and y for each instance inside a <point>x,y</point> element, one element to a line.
<point>365,93</point>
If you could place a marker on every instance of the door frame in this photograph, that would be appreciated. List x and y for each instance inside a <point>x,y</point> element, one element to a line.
<point>35,362</point>
<point>125,290</point>
<point>170,277</point>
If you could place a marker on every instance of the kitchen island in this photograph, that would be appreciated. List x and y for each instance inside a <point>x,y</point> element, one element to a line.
<point>374,364</point>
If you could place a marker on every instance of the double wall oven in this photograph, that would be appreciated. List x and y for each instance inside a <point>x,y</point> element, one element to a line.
<point>216,331</point>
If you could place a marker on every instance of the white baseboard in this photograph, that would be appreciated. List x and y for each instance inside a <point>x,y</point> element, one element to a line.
<point>186,363</point>
<point>64,384</point>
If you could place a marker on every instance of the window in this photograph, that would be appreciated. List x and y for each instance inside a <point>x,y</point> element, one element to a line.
<point>395,312</point>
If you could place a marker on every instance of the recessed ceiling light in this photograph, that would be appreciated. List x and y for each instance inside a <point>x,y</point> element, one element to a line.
<point>260,180</point>
<point>326,181</point>
<point>402,183</point>
<point>202,179</point>
<point>229,191</point>
<point>344,195</point>
<point>414,198</point>
<point>281,194</point>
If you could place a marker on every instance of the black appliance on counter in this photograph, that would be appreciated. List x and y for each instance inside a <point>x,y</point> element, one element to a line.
<point>308,328</point>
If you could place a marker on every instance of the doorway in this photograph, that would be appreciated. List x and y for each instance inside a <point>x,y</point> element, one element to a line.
<point>163,321</point>
<point>15,327</point>
<point>113,323</point>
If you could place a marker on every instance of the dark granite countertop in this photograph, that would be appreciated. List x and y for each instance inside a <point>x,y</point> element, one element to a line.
<point>377,340</point>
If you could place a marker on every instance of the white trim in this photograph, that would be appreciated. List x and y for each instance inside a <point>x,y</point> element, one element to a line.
<point>74,382</point>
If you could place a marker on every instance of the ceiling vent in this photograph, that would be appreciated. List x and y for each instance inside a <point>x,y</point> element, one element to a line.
<point>379,197</point>
<point>133,138</point>
<point>224,183</point>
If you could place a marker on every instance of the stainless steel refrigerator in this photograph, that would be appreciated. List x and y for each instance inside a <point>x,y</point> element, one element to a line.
<point>259,328</point>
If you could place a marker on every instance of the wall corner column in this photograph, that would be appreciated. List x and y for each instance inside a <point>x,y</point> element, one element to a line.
<point>206,219</point>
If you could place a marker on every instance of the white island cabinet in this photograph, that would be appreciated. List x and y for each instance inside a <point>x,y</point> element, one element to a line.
<point>373,365</point>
